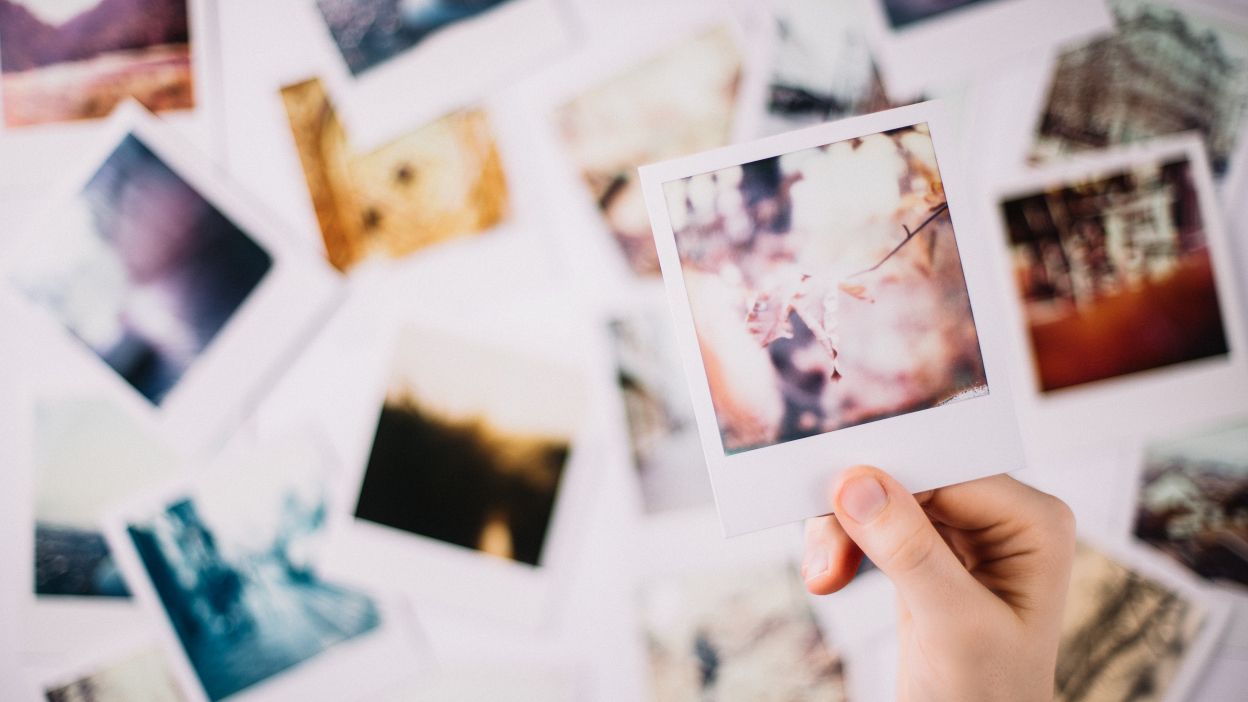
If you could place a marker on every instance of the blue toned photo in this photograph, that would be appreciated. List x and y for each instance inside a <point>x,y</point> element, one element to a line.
<point>234,571</point>
<point>371,32</point>
<point>903,13</point>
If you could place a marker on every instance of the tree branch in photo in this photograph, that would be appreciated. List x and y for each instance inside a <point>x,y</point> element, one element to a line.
<point>940,209</point>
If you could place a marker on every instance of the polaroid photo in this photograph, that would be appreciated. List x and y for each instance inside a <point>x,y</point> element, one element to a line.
<point>385,47</point>
<point>1190,502</point>
<point>66,65</point>
<point>226,566</point>
<point>441,181</point>
<point>1124,296</point>
<point>925,45</point>
<point>828,316</point>
<point>169,278</point>
<point>1133,628</point>
<point>132,669</point>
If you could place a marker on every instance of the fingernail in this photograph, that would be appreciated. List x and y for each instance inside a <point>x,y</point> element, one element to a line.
<point>816,564</point>
<point>863,498</point>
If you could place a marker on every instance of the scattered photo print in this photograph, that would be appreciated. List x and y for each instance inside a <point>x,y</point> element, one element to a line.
<point>905,13</point>
<point>826,288</point>
<point>768,648</point>
<point>1193,502</point>
<point>233,563</point>
<point>143,675</point>
<point>1165,70</point>
<point>667,453</point>
<point>471,445</point>
<point>66,60</point>
<point>822,68</point>
<point>88,455</point>
<point>369,33</point>
<point>143,269</point>
<point>1124,634</point>
<point>441,181</point>
<point>1115,274</point>
<point>676,103</point>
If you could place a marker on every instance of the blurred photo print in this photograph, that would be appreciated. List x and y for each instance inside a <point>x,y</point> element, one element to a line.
<point>1165,69</point>
<point>471,445</point>
<point>677,102</point>
<point>770,648</point>
<point>141,674</point>
<point>1193,501</point>
<point>63,60</point>
<point>1114,270</point>
<point>441,181</point>
<point>904,13</point>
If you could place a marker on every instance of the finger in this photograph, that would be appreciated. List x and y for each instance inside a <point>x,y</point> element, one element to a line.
<point>831,558</point>
<point>892,529</point>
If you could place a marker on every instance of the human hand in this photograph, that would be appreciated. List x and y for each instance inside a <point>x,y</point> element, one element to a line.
<point>981,571</point>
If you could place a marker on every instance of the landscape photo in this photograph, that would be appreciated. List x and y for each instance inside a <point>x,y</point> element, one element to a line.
<point>141,675</point>
<point>1115,274</point>
<point>768,647</point>
<point>1124,635</point>
<point>369,33</point>
<point>471,445</point>
<point>675,103</point>
<point>1193,501</point>
<point>1164,70</point>
<point>826,288</point>
<point>441,181</point>
<point>906,13</point>
<point>142,269</point>
<point>63,60</point>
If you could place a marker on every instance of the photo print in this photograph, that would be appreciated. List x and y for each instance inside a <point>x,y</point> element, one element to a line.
<point>1193,501</point>
<point>905,13</point>
<point>680,101</point>
<point>771,648</point>
<point>88,454</point>
<point>142,674</point>
<point>1165,69</point>
<point>143,269</point>
<point>471,445</point>
<point>663,435</point>
<point>826,288</point>
<point>1125,634</point>
<point>439,182</point>
<point>1114,273</point>
<point>230,564</point>
<point>822,68</point>
<point>78,59</point>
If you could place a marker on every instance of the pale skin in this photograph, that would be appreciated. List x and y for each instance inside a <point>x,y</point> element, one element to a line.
<point>981,571</point>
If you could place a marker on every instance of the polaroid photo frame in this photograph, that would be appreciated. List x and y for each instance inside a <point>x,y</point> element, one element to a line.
<point>140,665</point>
<point>410,87</point>
<point>36,156</point>
<point>1131,406</point>
<point>228,375</point>
<point>941,445</point>
<point>950,45</point>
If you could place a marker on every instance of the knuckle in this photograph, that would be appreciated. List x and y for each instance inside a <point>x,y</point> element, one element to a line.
<point>910,552</point>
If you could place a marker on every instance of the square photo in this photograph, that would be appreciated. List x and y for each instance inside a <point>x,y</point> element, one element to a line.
<point>1114,273</point>
<point>65,60</point>
<point>143,269</point>
<point>471,445</point>
<point>826,288</point>
<point>440,181</point>
<point>1193,501</point>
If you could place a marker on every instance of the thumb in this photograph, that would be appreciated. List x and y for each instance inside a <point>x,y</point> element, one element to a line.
<point>890,527</point>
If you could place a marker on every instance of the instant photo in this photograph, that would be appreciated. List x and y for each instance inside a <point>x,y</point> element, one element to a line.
<point>1115,274</point>
<point>1193,501</point>
<point>905,13</point>
<point>677,102</point>
<point>441,181</point>
<point>62,61</point>
<point>771,647</point>
<point>470,446</point>
<point>1165,69</point>
<point>143,674</point>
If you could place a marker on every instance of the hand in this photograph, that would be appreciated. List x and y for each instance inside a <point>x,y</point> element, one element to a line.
<point>981,571</point>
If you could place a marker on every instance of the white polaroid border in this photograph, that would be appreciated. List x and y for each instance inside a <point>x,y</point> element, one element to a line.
<point>85,664</point>
<point>414,87</point>
<point>1144,404</point>
<point>939,446</point>
<point>941,50</point>
<point>35,156</point>
<point>225,381</point>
